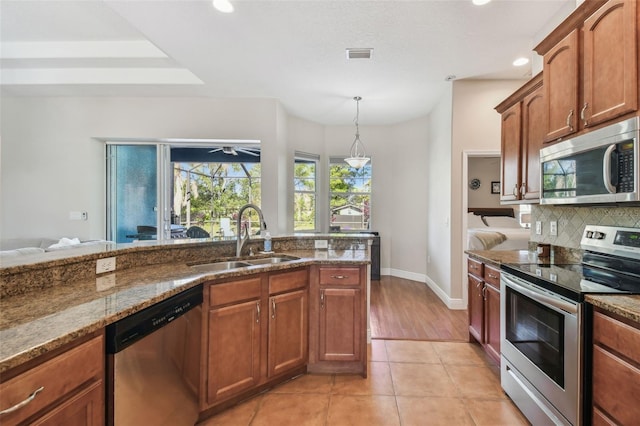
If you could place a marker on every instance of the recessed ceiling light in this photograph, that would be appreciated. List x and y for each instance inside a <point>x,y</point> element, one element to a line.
<point>480,2</point>
<point>520,62</point>
<point>223,6</point>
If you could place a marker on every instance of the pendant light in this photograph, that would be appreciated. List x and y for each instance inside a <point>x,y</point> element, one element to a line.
<point>358,158</point>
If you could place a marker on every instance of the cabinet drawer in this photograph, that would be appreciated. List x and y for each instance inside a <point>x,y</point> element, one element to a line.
<point>236,291</point>
<point>58,377</point>
<point>492,276</point>
<point>279,283</point>
<point>474,267</point>
<point>616,335</point>
<point>616,386</point>
<point>340,276</point>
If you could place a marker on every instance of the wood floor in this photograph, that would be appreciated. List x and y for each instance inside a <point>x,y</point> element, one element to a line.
<point>410,310</point>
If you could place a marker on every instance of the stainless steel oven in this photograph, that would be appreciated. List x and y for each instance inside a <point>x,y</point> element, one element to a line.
<point>544,331</point>
<point>541,351</point>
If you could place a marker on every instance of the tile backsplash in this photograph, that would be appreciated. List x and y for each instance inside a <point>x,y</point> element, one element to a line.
<point>572,220</point>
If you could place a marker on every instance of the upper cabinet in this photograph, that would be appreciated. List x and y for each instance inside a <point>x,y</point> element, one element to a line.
<point>522,135</point>
<point>590,67</point>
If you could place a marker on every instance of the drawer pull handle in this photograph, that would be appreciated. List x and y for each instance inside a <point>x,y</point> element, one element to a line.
<point>322,299</point>
<point>493,276</point>
<point>258,311</point>
<point>273,308</point>
<point>19,405</point>
<point>340,277</point>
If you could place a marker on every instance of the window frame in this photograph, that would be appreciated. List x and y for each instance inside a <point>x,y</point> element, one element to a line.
<point>306,158</point>
<point>333,160</point>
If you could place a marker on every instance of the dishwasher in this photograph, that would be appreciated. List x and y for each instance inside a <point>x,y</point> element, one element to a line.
<point>153,362</point>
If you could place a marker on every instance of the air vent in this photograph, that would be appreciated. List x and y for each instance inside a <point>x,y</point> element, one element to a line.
<point>360,53</point>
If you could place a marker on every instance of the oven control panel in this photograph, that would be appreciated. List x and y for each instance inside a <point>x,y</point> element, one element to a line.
<point>615,240</point>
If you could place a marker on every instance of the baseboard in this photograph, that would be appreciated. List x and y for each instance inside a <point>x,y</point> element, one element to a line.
<point>457,304</point>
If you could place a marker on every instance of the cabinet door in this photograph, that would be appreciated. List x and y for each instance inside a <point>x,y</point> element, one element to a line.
<point>234,349</point>
<point>492,321</point>
<point>533,115</point>
<point>339,324</point>
<point>476,308</point>
<point>511,141</point>
<point>84,409</point>
<point>610,63</point>
<point>288,332</point>
<point>560,75</point>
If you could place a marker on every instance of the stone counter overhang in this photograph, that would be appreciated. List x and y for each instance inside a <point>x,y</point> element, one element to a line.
<point>75,303</point>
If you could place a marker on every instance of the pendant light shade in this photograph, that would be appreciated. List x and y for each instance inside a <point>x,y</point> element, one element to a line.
<point>357,157</point>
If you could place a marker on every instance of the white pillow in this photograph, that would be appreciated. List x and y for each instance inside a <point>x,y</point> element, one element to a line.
<point>502,222</point>
<point>475,221</point>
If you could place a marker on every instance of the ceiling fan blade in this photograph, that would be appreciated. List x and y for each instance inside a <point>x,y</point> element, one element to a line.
<point>215,150</point>
<point>249,152</point>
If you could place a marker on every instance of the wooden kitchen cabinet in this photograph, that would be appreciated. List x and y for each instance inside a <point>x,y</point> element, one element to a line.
<point>257,335</point>
<point>288,322</point>
<point>615,370</point>
<point>234,338</point>
<point>484,306</point>
<point>72,387</point>
<point>492,312</point>
<point>475,307</point>
<point>590,67</point>
<point>521,140</point>
<point>338,320</point>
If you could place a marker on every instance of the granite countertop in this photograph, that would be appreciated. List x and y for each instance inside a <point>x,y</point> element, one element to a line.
<point>40,321</point>
<point>625,306</point>
<point>497,257</point>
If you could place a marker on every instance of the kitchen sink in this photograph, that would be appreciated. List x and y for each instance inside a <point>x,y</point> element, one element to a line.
<point>233,264</point>
<point>271,260</point>
<point>220,266</point>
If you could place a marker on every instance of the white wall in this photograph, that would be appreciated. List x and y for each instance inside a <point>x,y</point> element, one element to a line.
<point>438,192</point>
<point>476,127</point>
<point>487,169</point>
<point>51,165</point>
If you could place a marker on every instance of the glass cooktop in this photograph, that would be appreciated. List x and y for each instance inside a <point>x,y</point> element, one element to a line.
<point>572,280</point>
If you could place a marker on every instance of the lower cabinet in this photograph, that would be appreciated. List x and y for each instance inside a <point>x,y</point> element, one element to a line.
<point>616,370</point>
<point>338,320</point>
<point>256,331</point>
<point>484,306</point>
<point>66,389</point>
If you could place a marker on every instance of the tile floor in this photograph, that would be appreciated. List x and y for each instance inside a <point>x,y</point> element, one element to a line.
<point>409,383</point>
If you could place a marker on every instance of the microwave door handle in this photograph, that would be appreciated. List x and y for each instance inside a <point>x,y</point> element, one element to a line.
<point>606,169</point>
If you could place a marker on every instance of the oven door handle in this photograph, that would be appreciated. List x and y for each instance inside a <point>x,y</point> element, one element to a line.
<point>540,297</point>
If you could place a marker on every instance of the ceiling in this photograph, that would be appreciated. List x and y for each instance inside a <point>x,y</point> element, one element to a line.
<point>293,51</point>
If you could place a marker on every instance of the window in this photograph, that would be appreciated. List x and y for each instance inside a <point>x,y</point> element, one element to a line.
<point>209,195</point>
<point>304,196</point>
<point>349,196</point>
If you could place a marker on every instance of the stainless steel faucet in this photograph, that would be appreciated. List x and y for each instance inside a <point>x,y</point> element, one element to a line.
<point>242,239</point>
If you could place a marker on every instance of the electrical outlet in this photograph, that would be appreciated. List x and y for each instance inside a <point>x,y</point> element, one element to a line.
<point>321,244</point>
<point>553,228</point>
<point>107,264</point>
<point>538,227</point>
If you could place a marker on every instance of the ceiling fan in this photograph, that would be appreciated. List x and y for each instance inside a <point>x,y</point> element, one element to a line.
<point>234,150</point>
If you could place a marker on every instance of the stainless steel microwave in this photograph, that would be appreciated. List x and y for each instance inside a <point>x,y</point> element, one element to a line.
<point>598,167</point>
